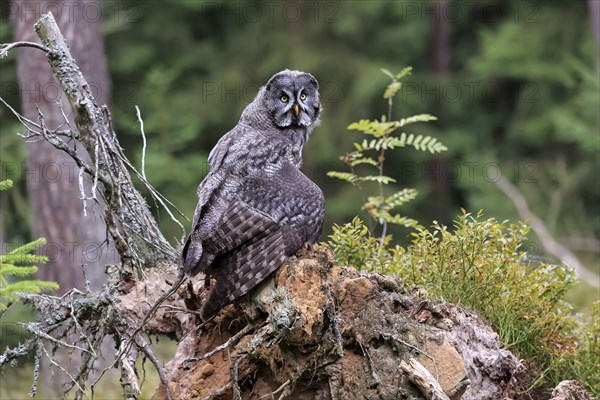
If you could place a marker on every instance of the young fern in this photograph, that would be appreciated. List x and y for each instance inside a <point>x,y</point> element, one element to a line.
<point>380,136</point>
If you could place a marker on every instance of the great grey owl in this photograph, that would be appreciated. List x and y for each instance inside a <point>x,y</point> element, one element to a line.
<point>255,207</point>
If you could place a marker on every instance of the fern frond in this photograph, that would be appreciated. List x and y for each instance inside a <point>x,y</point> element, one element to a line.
<point>387,72</point>
<point>423,143</point>
<point>416,118</point>
<point>392,89</point>
<point>383,143</point>
<point>405,71</point>
<point>374,128</point>
<point>6,184</point>
<point>396,219</point>
<point>344,176</point>
<point>377,178</point>
<point>378,204</point>
<point>364,160</point>
<point>401,197</point>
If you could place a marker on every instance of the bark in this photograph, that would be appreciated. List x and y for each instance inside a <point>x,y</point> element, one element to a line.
<point>594,7</point>
<point>52,177</point>
<point>441,33</point>
<point>321,331</point>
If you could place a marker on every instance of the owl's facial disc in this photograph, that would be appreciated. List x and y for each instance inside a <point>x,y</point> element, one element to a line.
<point>293,99</point>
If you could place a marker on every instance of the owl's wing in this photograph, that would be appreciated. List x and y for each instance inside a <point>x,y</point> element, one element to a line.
<point>208,192</point>
<point>249,246</point>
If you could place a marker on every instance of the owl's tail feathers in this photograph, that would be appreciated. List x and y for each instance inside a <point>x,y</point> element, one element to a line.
<point>244,268</point>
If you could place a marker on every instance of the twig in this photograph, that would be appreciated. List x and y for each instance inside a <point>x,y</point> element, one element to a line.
<point>5,47</point>
<point>145,348</point>
<point>129,383</point>
<point>79,330</point>
<point>231,341</point>
<point>217,392</point>
<point>22,119</point>
<point>17,352</point>
<point>423,379</point>
<point>139,116</point>
<point>31,328</point>
<point>397,339</point>
<point>279,389</point>
<point>371,366</point>
<point>53,362</point>
<point>37,360</point>
<point>89,119</point>
<point>159,301</point>
<point>83,197</point>
<point>179,309</point>
<point>236,393</point>
<point>124,349</point>
<point>551,245</point>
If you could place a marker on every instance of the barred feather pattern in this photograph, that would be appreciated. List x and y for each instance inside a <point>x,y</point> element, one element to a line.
<point>256,208</point>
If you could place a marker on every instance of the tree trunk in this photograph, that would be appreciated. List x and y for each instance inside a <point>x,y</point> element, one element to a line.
<point>441,66</point>
<point>53,177</point>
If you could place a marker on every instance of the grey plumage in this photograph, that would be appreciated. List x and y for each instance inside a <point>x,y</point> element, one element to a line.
<point>256,208</point>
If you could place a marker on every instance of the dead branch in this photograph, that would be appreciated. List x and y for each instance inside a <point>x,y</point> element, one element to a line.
<point>551,245</point>
<point>4,48</point>
<point>91,317</point>
<point>426,383</point>
<point>146,244</point>
<point>231,341</point>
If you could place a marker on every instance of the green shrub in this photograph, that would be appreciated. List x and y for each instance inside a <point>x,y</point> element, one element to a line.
<point>481,264</point>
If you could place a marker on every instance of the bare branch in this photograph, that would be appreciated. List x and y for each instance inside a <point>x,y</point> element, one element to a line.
<point>17,352</point>
<point>147,245</point>
<point>426,383</point>
<point>231,341</point>
<point>145,348</point>
<point>139,117</point>
<point>5,47</point>
<point>551,245</point>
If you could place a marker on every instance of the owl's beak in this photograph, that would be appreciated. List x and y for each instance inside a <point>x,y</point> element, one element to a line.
<point>296,109</point>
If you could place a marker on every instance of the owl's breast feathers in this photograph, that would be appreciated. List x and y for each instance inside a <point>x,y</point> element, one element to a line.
<point>255,210</point>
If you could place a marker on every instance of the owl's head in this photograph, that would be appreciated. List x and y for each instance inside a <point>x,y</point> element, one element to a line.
<point>292,99</point>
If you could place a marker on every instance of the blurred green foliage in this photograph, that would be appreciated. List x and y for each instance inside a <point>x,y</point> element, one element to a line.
<point>519,96</point>
<point>481,265</point>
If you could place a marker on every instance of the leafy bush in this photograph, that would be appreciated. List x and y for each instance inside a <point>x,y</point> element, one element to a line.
<point>482,265</point>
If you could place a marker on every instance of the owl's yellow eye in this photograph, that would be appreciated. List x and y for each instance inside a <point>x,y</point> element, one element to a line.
<point>284,98</point>
<point>302,96</point>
